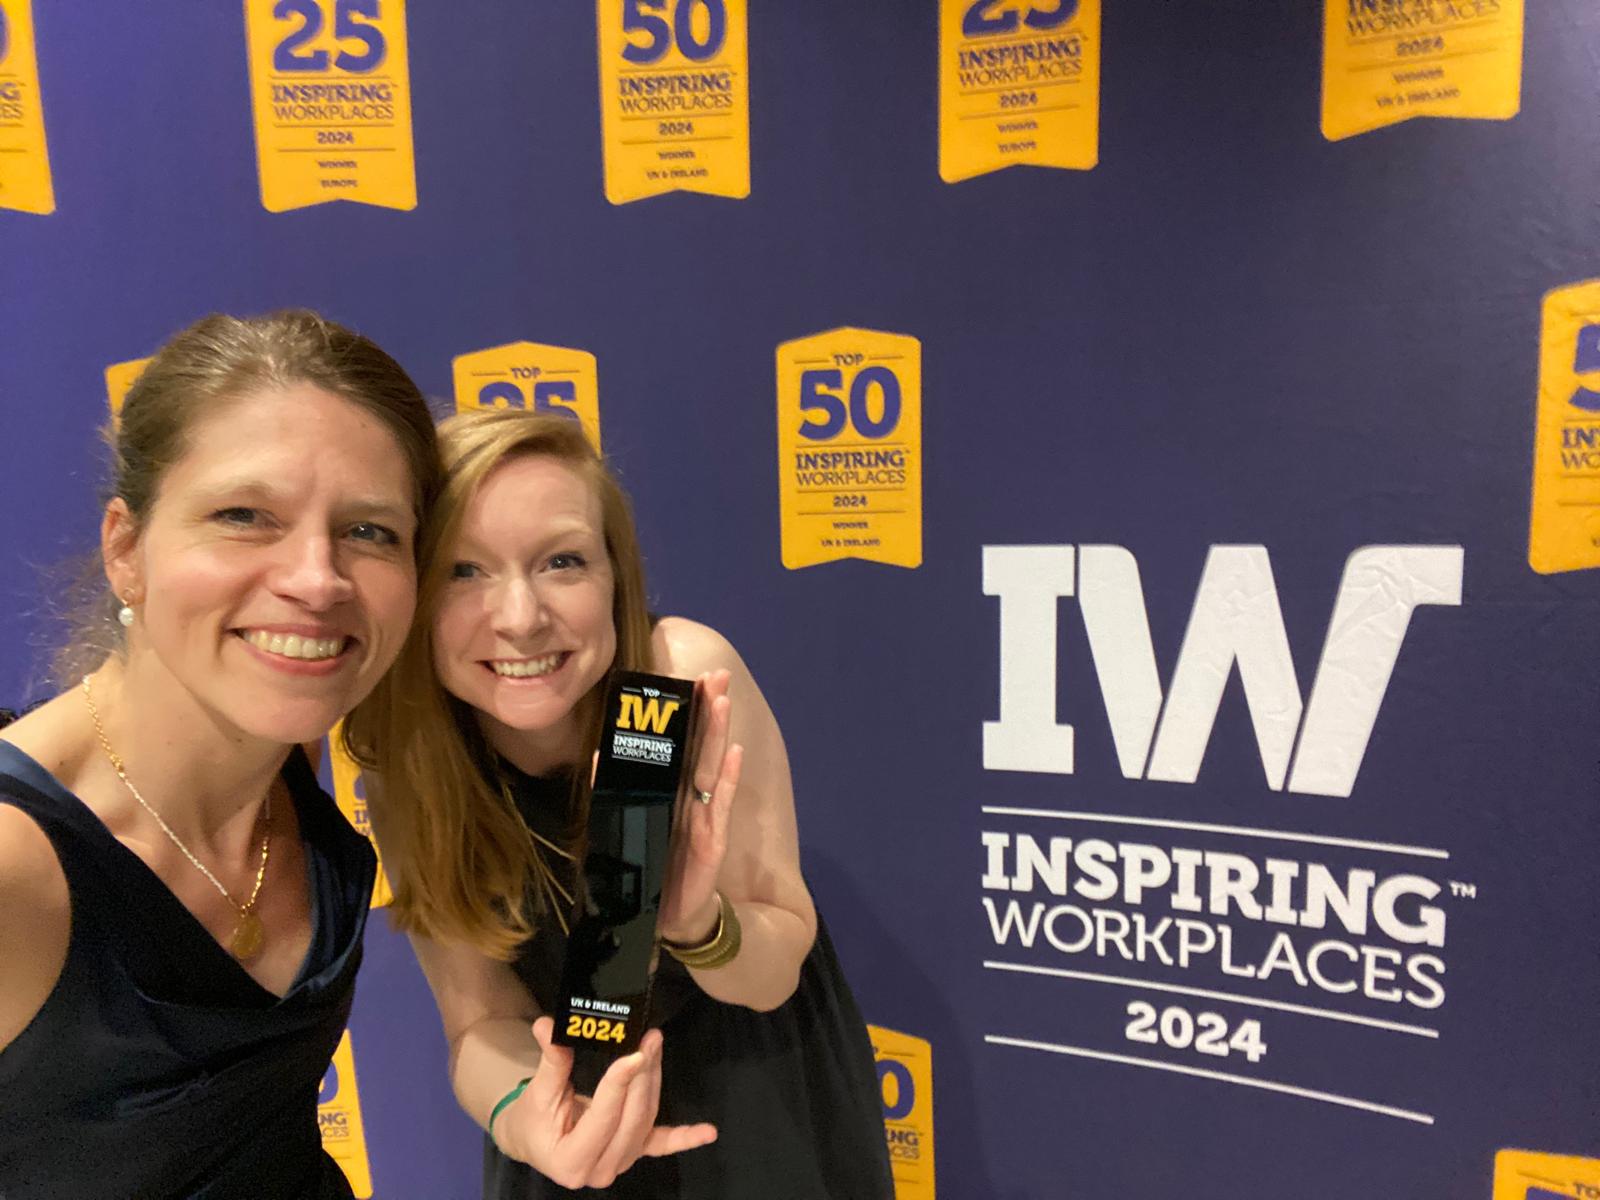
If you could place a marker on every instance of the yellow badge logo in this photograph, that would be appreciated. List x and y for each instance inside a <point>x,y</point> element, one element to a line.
<point>1019,82</point>
<point>25,183</point>
<point>351,797</point>
<point>645,714</point>
<point>120,378</point>
<point>1564,531</point>
<point>24,160</point>
<point>548,379</point>
<point>1524,1175</point>
<point>850,448</point>
<point>905,1075</point>
<point>339,1116</point>
<point>1386,61</point>
<point>674,97</point>
<point>330,84</point>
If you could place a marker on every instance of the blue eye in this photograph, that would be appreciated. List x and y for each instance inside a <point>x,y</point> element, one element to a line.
<point>463,570</point>
<point>567,561</point>
<point>380,535</point>
<point>239,515</point>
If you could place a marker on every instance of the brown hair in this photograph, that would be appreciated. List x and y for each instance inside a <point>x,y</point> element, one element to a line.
<point>218,359</point>
<point>462,863</point>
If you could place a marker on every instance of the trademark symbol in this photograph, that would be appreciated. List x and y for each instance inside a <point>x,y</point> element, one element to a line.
<point>1464,891</point>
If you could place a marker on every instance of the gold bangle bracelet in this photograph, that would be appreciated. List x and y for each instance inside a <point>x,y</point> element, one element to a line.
<point>720,949</point>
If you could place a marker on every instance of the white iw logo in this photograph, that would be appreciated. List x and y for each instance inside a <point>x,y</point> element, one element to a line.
<point>1235,619</point>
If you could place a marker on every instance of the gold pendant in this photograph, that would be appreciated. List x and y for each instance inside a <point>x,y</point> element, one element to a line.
<point>245,943</point>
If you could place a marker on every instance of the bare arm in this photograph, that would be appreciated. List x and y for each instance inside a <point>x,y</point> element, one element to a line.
<point>759,870</point>
<point>486,1011</point>
<point>488,1017</point>
<point>35,921</point>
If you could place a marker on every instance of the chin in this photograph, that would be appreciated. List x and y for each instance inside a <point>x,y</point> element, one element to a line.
<point>524,713</point>
<point>525,720</point>
<point>290,724</point>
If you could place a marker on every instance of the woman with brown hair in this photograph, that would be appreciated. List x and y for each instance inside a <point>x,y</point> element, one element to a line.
<point>181,906</point>
<point>481,741</point>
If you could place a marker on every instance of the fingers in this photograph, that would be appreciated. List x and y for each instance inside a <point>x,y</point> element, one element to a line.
<point>675,1139</point>
<point>707,824</point>
<point>713,744</point>
<point>543,1030</point>
<point>540,1115</point>
<point>550,1081</point>
<point>722,802</point>
<point>589,1138</point>
<point>728,781</point>
<point>714,738</point>
<point>638,1116</point>
<point>612,1130</point>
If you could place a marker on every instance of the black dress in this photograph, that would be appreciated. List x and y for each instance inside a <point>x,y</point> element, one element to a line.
<point>158,1067</point>
<point>793,1093</point>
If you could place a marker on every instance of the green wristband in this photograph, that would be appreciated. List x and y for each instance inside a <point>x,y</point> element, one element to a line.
<point>522,1085</point>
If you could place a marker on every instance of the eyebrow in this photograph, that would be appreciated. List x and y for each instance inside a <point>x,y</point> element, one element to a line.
<point>567,529</point>
<point>259,490</point>
<point>396,513</point>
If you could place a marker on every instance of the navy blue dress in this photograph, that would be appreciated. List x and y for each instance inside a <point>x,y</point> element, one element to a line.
<point>794,1092</point>
<point>158,1067</point>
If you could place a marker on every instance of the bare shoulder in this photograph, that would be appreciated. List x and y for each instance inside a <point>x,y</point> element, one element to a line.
<point>686,648</point>
<point>28,861</point>
<point>55,735</point>
<point>35,920</point>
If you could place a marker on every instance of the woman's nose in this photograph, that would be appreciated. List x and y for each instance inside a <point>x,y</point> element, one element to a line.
<point>517,611</point>
<point>312,576</point>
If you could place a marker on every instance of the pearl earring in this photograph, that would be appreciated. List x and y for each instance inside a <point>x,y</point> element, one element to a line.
<point>125,614</point>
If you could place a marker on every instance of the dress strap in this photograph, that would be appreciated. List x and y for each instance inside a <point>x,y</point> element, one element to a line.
<point>26,785</point>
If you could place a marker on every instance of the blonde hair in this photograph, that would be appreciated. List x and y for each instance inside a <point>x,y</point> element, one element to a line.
<point>462,862</point>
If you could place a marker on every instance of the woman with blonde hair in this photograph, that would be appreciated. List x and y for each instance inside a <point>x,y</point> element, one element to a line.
<point>181,906</point>
<point>481,740</point>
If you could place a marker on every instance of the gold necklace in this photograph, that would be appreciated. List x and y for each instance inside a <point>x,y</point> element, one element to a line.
<point>555,898</point>
<point>245,941</point>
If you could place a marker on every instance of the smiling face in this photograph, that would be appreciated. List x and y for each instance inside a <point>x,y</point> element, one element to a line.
<point>273,580</point>
<point>524,628</point>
